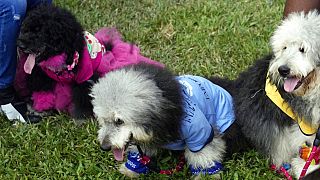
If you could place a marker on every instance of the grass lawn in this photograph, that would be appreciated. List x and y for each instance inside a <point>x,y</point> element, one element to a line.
<point>200,37</point>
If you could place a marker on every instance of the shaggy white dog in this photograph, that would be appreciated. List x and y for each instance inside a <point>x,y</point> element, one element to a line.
<point>151,108</point>
<point>295,71</point>
<point>289,79</point>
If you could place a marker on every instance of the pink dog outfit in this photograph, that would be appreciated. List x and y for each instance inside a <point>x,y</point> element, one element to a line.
<point>95,59</point>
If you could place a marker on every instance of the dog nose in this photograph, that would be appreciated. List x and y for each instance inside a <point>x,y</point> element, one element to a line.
<point>20,44</point>
<point>105,147</point>
<point>284,70</point>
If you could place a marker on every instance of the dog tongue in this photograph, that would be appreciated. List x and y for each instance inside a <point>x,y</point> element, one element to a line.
<point>29,64</point>
<point>290,84</point>
<point>118,154</point>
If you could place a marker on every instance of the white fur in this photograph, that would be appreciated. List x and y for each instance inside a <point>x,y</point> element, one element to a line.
<point>125,171</point>
<point>287,145</point>
<point>120,138</point>
<point>120,101</point>
<point>205,158</point>
<point>141,135</point>
<point>102,134</point>
<point>298,31</point>
<point>117,98</point>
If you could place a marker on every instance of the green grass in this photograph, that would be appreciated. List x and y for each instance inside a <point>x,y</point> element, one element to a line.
<point>200,37</point>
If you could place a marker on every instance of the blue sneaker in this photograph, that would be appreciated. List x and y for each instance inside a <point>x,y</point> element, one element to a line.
<point>137,163</point>
<point>210,171</point>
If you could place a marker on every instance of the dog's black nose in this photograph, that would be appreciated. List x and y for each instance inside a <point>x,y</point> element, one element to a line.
<point>105,147</point>
<point>284,70</point>
<point>20,44</point>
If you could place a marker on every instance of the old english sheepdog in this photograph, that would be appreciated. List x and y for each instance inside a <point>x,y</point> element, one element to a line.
<point>289,79</point>
<point>148,106</point>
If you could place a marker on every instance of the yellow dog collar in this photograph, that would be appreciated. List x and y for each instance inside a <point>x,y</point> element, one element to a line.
<point>274,95</point>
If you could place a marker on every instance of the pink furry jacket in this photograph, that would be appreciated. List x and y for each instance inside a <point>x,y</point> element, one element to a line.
<point>95,59</point>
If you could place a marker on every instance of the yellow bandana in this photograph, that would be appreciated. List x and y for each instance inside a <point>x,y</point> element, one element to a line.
<point>275,97</point>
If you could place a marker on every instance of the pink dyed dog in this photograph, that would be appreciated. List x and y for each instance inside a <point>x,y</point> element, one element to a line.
<point>95,59</point>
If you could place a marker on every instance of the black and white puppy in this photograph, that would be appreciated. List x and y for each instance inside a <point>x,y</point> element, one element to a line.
<point>149,106</point>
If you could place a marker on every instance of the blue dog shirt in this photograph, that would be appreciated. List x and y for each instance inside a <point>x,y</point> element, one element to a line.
<point>207,107</point>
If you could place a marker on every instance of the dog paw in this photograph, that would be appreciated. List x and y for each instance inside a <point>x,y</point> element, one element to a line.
<point>32,111</point>
<point>127,172</point>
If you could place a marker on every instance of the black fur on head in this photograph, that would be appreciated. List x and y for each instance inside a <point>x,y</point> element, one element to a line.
<point>166,123</point>
<point>49,30</point>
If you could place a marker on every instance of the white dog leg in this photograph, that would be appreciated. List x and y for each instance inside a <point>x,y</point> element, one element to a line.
<point>297,163</point>
<point>206,157</point>
<point>127,172</point>
<point>133,148</point>
<point>286,146</point>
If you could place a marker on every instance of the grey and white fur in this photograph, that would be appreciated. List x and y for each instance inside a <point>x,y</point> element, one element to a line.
<point>143,104</point>
<point>294,68</point>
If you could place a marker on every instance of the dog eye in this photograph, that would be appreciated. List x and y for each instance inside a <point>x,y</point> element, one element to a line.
<point>301,49</point>
<point>284,48</point>
<point>118,121</point>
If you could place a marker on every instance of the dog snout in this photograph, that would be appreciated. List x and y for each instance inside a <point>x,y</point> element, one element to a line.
<point>21,44</point>
<point>105,146</point>
<point>284,70</point>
